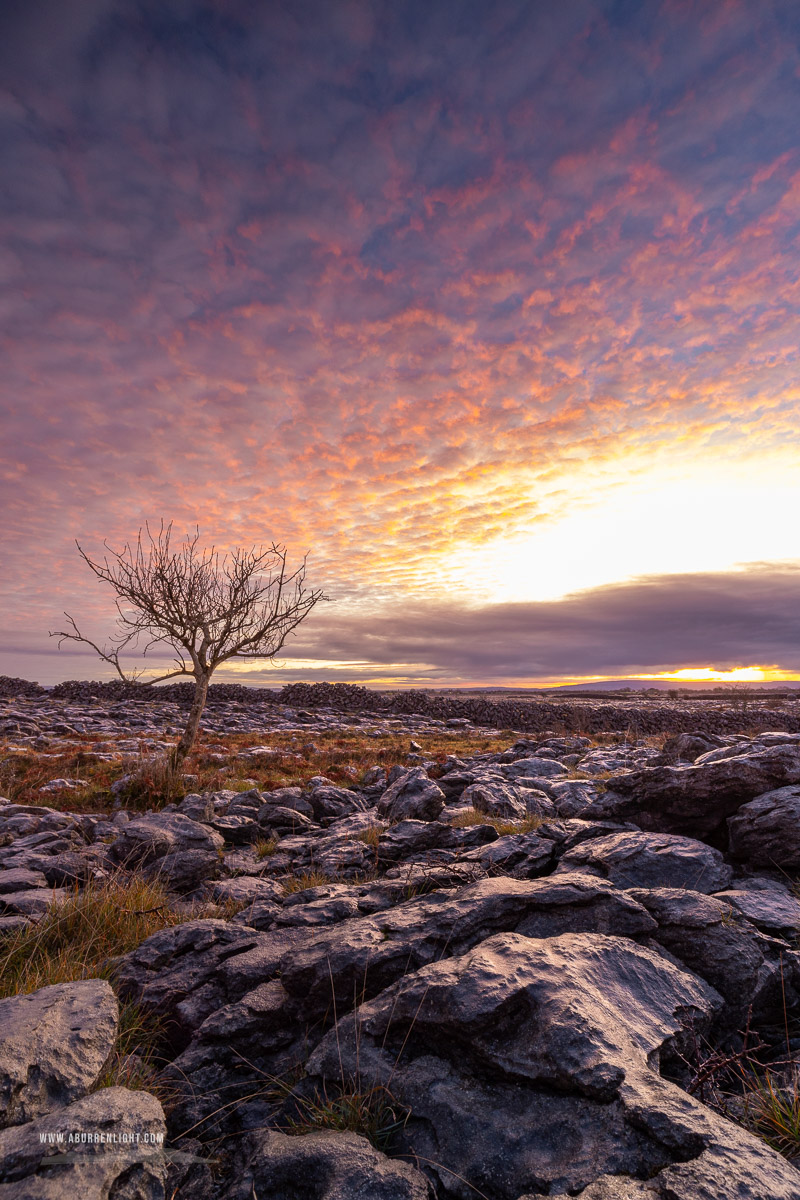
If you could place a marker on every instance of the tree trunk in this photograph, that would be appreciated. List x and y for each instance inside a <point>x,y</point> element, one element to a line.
<point>189,735</point>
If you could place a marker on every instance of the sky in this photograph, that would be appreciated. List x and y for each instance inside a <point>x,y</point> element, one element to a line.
<point>490,309</point>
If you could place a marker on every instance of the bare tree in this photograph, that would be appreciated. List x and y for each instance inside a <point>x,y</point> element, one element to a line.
<point>205,608</point>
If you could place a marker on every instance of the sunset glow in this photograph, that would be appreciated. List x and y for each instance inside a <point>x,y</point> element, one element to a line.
<point>492,310</point>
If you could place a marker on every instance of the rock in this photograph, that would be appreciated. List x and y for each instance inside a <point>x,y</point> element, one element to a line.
<point>288,797</point>
<point>185,870</point>
<point>409,838</point>
<point>531,1064</point>
<point>766,831</point>
<point>33,902</point>
<point>496,798</point>
<point>650,860</point>
<point>769,906</point>
<point>299,973</point>
<point>153,836</point>
<point>412,796</point>
<point>36,1165</point>
<point>175,973</point>
<point>523,855</point>
<point>77,866</point>
<point>372,951</point>
<point>244,889</point>
<point>572,796</point>
<point>53,1045</point>
<point>280,820</point>
<point>532,768</point>
<point>329,802</point>
<point>198,807</point>
<point>697,800</point>
<point>237,828</point>
<point>324,1165</point>
<point>20,879</point>
<point>686,747</point>
<point>748,968</point>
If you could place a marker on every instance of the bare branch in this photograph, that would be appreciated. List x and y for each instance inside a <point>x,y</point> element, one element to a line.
<point>206,607</point>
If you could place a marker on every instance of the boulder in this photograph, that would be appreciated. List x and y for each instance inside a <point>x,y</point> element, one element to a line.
<point>687,747</point>
<point>243,889</point>
<point>239,829</point>
<point>532,768</point>
<point>697,800</point>
<point>496,798</point>
<point>38,1161</point>
<point>650,860</point>
<point>20,879</point>
<point>32,902</point>
<point>323,1165</point>
<point>184,871</point>
<point>572,796</point>
<point>768,905</point>
<point>175,973</point>
<point>198,807</point>
<point>758,976</point>
<point>53,1045</point>
<point>523,855</point>
<point>280,820</point>
<point>412,796</point>
<point>153,836</point>
<point>77,866</point>
<point>530,1065</point>
<point>766,832</point>
<point>300,976</point>
<point>329,802</point>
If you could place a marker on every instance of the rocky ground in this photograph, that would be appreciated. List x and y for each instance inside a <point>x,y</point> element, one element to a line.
<point>455,963</point>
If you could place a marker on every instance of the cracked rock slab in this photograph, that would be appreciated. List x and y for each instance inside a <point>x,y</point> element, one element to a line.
<point>632,860</point>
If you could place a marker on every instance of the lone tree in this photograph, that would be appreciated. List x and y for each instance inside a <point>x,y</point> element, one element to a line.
<point>205,608</point>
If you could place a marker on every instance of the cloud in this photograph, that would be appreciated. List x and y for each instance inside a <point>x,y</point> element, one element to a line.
<point>373,278</point>
<point>720,620</point>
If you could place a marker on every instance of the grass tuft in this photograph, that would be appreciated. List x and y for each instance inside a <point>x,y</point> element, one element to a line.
<point>370,836</point>
<point>77,938</point>
<point>502,824</point>
<point>772,1112</point>
<point>304,881</point>
<point>372,1112</point>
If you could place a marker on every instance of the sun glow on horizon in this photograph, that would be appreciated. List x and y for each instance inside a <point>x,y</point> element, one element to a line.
<point>665,523</point>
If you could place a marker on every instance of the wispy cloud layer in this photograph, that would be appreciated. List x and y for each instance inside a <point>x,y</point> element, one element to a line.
<point>374,278</point>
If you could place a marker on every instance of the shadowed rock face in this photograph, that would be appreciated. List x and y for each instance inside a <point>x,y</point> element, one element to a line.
<point>650,860</point>
<point>766,832</point>
<point>696,800</point>
<point>324,1166</point>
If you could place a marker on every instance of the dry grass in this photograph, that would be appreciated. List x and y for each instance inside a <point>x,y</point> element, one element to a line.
<point>265,847</point>
<point>341,757</point>
<point>502,824</point>
<point>771,1110</point>
<point>303,881</point>
<point>370,836</point>
<point>76,939</point>
<point>372,1112</point>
